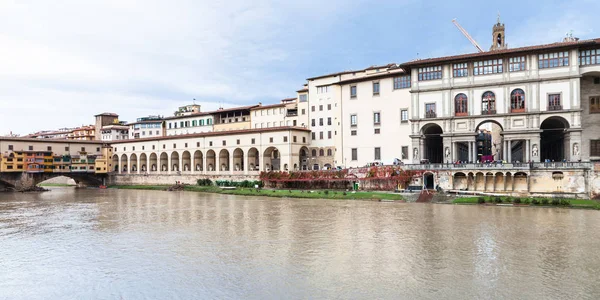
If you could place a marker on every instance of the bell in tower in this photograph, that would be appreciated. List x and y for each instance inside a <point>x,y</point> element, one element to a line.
<point>498,38</point>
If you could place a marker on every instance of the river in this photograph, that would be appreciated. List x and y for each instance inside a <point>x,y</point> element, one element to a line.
<point>128,244</point>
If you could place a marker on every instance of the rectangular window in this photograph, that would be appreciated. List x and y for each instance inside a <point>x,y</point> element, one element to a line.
<point>224,143</point>
<point>402,82</point>
<point>304,139</point>
<point>210,143</point>
<point>516,64</point>
<point>354,154</point>
<point>49,148</point>
<point>82,149</point>
<point>237,141</point>
<point>328,106</point>
<point>313,136</point>
<point>312,108</point>
<point>553,60</point>
<point>329,134</point>
<point>320,121</point>
<point>285,139</point>
<point>430,73</point>
<point>320,107</point>
<point>404,115</point>
<point>185,145</point>
<point>352,91</point>
<point>460,70</point>
<point>430,110</point>
<point>294,139</point>
<point>594,147</point>
<point>377,153</point>
<point>404,152</point>
<point>353,120</point>
<point>322,89</point>
<point>377,130</point>
<point>376,88</point>
<point>589,57</point>
<point>253,141</point>
<point>197,144</point>
<point>377,118</point>
<point>303,98</point>
<point>143,148</point>
<point>329,121</point>
<point>490,66</point>
<point>554,102</point>
<point>321,135</point>
<point>595,104</point>
<point>30,148</point>
<point>352,132</point>
<point>313,122</point>
<point>303,111</point>
<point>10,147</point>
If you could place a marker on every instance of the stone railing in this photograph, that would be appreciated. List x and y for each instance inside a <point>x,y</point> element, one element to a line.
<point>450,166</point>
<point>562,165</point>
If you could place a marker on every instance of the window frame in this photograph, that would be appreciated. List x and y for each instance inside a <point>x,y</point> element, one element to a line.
<point>594,147</point>
<point>377,118</point>
<point>488,67</point>
<point>486,102</point>
<point>353,91</point>
<point>402,82</point>
<point>402,120</point>
<point>461,100</point>
<point>377,153</point>
<point>514,99</point>
<point>429,114</point>
<point>354,154</point>
<point>353,120</point>
<point>546,61</point>
<point>376,91</point>
<point>592,55</point>
<point>552,103</point>
<point>430,73</point>
<point>596,110</point>
<point>517,64</point>
<point>460,70</point>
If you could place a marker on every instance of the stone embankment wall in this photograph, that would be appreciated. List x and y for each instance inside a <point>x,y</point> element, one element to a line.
<point>141,179</point>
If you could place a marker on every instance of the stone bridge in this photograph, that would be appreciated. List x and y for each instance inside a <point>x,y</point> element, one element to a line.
<point>22,180</point>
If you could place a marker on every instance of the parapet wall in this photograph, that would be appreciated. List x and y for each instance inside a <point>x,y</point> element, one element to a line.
<point>155,179</point>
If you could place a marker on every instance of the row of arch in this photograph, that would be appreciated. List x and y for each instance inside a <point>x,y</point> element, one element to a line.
<point>488,103</point>
<point>198,161</point>
<point>491,182</point>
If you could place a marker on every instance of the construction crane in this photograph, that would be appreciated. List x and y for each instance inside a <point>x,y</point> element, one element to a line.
<point>467,35</point>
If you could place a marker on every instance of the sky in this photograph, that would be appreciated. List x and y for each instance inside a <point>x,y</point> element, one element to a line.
<point>62,62</point>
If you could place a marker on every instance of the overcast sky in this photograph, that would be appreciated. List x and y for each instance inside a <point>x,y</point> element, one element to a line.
<point>61,62</point>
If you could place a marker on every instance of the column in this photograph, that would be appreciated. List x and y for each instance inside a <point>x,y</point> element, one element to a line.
<point>169,165</point>
<point>509,144</point>
<point>527,151</point>
<point>138,166</point>
<point>129,164</point>
<point>485,180</point>
<point>204,165</point>
<point>180,168</point>
<point>148,166</point>
<point>504,153</point>
<point>246,161</point>
<point>422,149</point>
<point>192,163</point>
<point>231,166</point>
<point>120,164</point>
<point>474,147</point>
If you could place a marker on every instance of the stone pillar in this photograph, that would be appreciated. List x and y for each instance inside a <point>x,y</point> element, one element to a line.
<point>129,164</point>
<point>120,164</point>
<point>192,163</point>
<point>470,156</point>
<point>169,165</point>
<point>474,147</point>
<point>485,180</point>
<point>527,155</point>
<point>422,149</point>
<point>138,166</point>
<point>204,165</point>
<point>504,152</point>
<point>509,154</point>
<point>180,168</point>
<point>231,166</point>
<point>148,166</point>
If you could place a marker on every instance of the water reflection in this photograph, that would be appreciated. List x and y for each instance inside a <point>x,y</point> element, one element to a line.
<point>72,243</point>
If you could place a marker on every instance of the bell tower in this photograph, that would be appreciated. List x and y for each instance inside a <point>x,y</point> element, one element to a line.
<point>498,37</point>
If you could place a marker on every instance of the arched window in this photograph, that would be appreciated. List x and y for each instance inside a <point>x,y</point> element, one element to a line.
<point>517,101</point>
<point>488,104</point>
<point>460,105</point>
<point>329,152</point>
<point>314,152</point>
<point>321,152</point>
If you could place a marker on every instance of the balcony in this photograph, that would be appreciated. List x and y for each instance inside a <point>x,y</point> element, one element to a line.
<point>517,110</point>
<point>488,112</point>
<point>461,114</point>
<point>430,114</point>
<point>555,107</point>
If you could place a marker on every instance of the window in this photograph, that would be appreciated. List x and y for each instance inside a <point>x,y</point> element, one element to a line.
<point>304,139</point>
<point>404,152</point>
<point>328,106</point>
<point>253,141</point>
<point>430,73</point>
<point>329,134</point>
<point>82,149</point>
<point>237,141</point>
<point>377,118</point>
<point>313,136</point>
<point>30,148</point>
<point>354,154</point>
<point>516,64</point>
<point>143,148</point>
<point>352,132</point>
<point>352,91</point>
<point>553,60</point>
<point>11,147</point>
<point>321,135</point>
<point>377,130</point>
<point>303,111</point>
<point>313,122</point>
<point>314,152</point>
<point>312,108</point>
<point>185,145</point>
<point>589,57</point>
<point>328,120</point>
<point>490,66</point>
<point>353,120</point>
<point>270,140</point>
<point>402,82</point>
<point>430,110</point>
<point>320,107</point>
<point>294,139</point>
<point>329,152</point>
<point>488,103</point>
<point>404,115</point>
<point>594,147</point>
<point>377,153</point>
<point>133,148</point>
<point>210,143</point>
<point>460,70</point>
<point>554,102</point>
<point>595,104</point>
<point>376,88</point>
<point>285,139</point>
<point>197,144</point>
<point>153,147</point>
<point>517,100</point>
<point>321,152</point>
<point>460,105</point>
<point>303,98</point>
<point>320,121</point>
<point>49,148</point>
<point>322,89</point>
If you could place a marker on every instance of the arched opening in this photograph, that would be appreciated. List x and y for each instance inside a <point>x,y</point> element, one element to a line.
<point>186,161</point>
<point>224,160</point>
<point>198,163</point>
<point>489,181</point>
<point>499,182</point>
<point>520,182</point>
<point>433,143</point>
<point>314,152</point>
<point>211,160</point>
<point>253,159</point>
<point>133,162</point>
<point>164,162</point>
<point>272,159</point>
<point>428,181</point>
<point>517,101</point>
<point>459,182</point>
<point>153,162</point>
<point>327,166</point>
<point>488,141</point>
<point>124,166</point>
<point>143,162</point>
<point>175,161</point>
<point>508,182</point>
<point>461,105</point>
<point>115,163</point>
<point>552,139</point>
<point>303,158</point>
<point>238,159</point>
<point>329,152</point>
<point>479,182</point>
<point>488,103</point>
<point>321,152</point>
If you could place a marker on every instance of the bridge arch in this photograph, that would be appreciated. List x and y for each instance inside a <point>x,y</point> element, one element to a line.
<point>272,159</point>
<point>115,163</point>
<point>238,159</point>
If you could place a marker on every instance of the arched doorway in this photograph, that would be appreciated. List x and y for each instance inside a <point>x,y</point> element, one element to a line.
<point>115,163</point>
<point>175,161</point>
<point>224,160</point>
<point>238,159</point>
<point>488,141</point>
<point>459,181</point>
<point>164,162</point>
<point>552,139</point>
<point>433,143</point>
<point>124,165</point>
<point>143,162</point>
<point>153,162</point>
<point>211,160</point>
<point>198,163</point>
<point>303,160</point>
<point>133,162</point>
<point>186,160</point>
<point>428,181</point>
<point>253,161</point>
<point>272,159</point>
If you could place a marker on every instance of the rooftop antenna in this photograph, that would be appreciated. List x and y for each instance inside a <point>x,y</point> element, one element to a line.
<point>468,36</point>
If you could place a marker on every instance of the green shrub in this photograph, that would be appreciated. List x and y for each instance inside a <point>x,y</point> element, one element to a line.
<point>498,200</point>
<point>326,192</point>
<point>535,201</point>
<point>508,200</point>
<point>345,194</point>
<point>565,202</point>
<point>516,201</point>
<point>204,182</point>
<point>481,200</point>
<point>545,201</point>
<point>527,201</point>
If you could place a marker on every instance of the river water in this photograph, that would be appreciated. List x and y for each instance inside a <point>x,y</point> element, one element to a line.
<point>127,244</point>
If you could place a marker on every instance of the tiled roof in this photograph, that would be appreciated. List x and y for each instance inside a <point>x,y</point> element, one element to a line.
<point>354,71</point>
<point>534,48</point>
